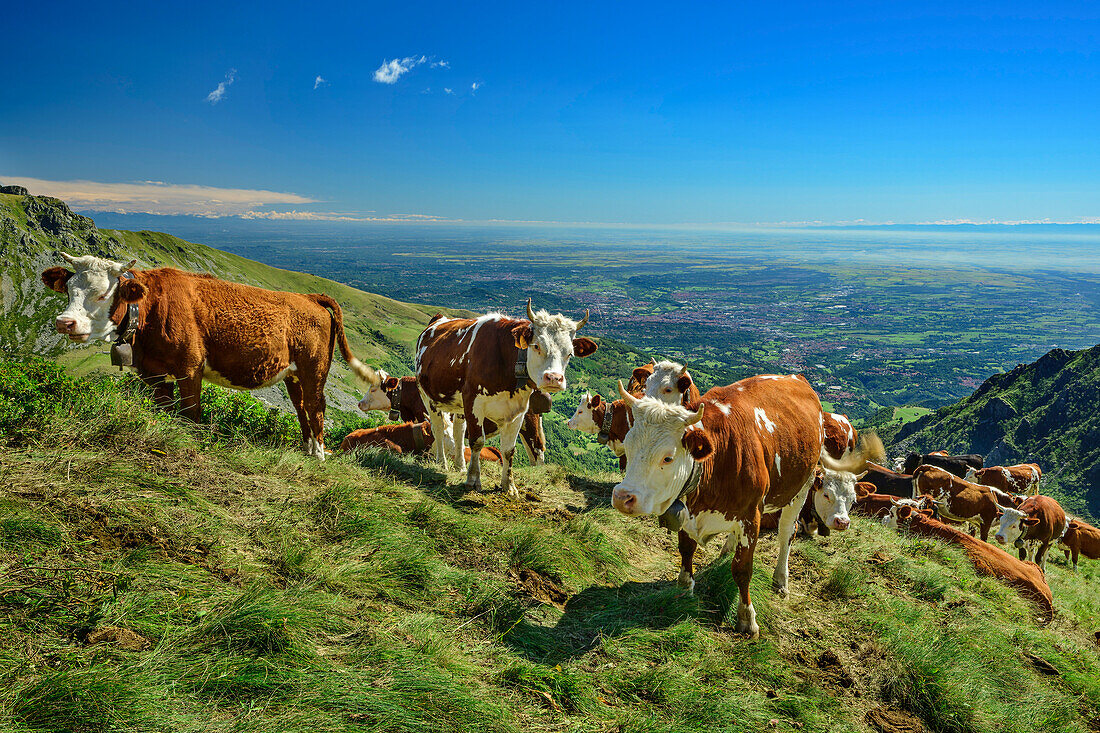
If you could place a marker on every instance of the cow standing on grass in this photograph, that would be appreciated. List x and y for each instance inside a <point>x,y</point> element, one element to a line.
<point>468,367</point>
<point>1038,522</point>
<point>718,465</point>
<point>959,465</point>
<point>609,421</point>
<point>957,499</point>
<point>1022,478</point>
<point>182,328</point>
<point>671,383</point>
<point>1080,538</point>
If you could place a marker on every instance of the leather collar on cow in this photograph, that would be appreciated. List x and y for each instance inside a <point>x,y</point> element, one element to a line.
<point>673,519</point>
<point>122,352</point>
<point>540,402</point>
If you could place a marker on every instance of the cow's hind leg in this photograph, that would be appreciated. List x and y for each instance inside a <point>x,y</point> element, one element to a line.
<point>190,389</point>
<point>687,545</point>
<point>1041,556</point>
<point>313,406</point>
<point>743,540</point>
<point>509,433</point>
<point>788,518</point>
<point>294,392</point>
<point>458,441</point>
<point>439,432</point>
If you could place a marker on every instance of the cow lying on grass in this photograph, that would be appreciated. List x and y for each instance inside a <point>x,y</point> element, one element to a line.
<point>180,328</point>
<point>740,451</point>
<point>401,397</point>
<point>1025,577</point>
<point>406,437</point>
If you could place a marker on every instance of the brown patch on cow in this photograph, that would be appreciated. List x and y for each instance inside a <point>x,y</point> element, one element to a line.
<point>538,586</point>
<point>126,639</point>
<point>893,720</point>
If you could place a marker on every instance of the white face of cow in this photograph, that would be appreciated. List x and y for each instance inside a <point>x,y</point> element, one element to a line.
<point>659,462</point>
<point>1013,525</point>
<point>835,498</point>
<point>891,519</point>
<point>583,419</point>
<point>550,344</point>
<point>91,290</point>
<point>376,398</point>
<point>663,384</point>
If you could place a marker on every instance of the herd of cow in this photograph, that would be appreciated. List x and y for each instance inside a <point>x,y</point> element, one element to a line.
<point>758,454</point>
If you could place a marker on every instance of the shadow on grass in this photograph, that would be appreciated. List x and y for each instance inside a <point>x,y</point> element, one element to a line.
<point>601,612</point>
<point>596,493</point>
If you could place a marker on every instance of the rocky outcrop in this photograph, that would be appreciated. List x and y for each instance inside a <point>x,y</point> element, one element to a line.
<point>14,190</point>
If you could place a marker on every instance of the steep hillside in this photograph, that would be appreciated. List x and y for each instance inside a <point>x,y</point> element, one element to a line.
<point>160,576</point>
<point>33,229</point>
<point>1047,412</point>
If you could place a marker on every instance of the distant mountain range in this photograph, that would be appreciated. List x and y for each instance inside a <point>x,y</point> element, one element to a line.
<point>1047,412</point>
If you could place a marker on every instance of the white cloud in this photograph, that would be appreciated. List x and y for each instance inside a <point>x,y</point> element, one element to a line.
<point>216,96</point>
<point>155,197</point>
<point>390,71</point>
<point>337,216</point>
<point>475,86</point>
<point>441,64</point>
<point>319,81</point>
<point>448,90</point>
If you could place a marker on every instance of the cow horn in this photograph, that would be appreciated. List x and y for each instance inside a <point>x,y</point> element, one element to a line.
<point>118,270</point>
<point>530,313</point>
<point>652,361</point>
<point>696,417</point>
<point>68,258</point>
<point>683,371</point>
<point>628,398</point>
<point>580,324</point>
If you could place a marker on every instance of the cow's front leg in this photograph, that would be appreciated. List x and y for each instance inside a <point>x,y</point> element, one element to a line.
<point>788,518</point>
<point>509,433</point>
<point>1041,556</point>
<point>190,389</point>
<point>475,431</point>
<point>439,435</point>
<point>457,443</point>
<point>687,545</point>
<point>741,569</point>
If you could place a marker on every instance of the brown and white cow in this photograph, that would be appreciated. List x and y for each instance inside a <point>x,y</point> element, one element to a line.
<point>840,435</point>
<point>610,421</point>
<point>468,367</point>
<point>671,383</point>
<point>1022,478</point>
<point>192,327</point>
<point>401,397</point>
<point>1038,522</point>
<point>1080,538</point>
<point>957,499</point>
<point>1024,577</point>
<point>739,452</point>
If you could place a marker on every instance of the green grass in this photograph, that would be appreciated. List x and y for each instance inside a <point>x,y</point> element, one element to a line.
<point>373,593</point>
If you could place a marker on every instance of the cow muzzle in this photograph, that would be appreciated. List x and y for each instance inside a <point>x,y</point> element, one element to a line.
<point>67,326</point>
<point>841,523</point>
<point>624,500</point>
<point>552,382</point>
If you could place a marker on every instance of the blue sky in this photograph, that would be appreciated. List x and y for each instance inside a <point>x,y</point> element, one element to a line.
<point>641,113</point>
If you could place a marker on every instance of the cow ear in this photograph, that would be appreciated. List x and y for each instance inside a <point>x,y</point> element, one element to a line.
<point>861,491</point>
<point>391,383</point>
<point>642,374</point>
<point>1029,521</point>
<point>904,512</point>
<point>523,334</point>
<point>595,401</point>
<point>697,442</point>
<point>683,384</point>
<point>55,278</point>
<point>928,513</point>
<point>131,291</point>
<point>584,346</point>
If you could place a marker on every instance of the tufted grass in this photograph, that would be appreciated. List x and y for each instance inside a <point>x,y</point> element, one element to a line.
<point>372,592</point>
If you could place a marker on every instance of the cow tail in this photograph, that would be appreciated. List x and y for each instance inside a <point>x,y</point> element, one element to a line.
<point>870,449</point>
<point>364,372</point>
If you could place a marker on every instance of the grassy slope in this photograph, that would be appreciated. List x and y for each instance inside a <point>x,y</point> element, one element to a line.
<point>1056,424</point>
<point>373,593</point>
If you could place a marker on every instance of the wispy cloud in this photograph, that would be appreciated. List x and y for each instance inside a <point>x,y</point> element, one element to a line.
<point>441,64</point>
<point>448,90</point>
<point>390,71</point>
<point>475,86</point>
<point>319,81</point>
<point>219,92</point>
<point>156,197</point>
<point>337,216</point>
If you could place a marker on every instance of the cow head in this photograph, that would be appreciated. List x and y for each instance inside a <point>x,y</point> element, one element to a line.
<point>91,287</point>
<point>551,341</point>
<point>834,498</point>
<point>669,382</point>
<point>1014,526</point>
<point>903,509</point>
<point>661,450</point>
<point>639,376</point>
<point>584,419</point>
<point>378,398</point>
